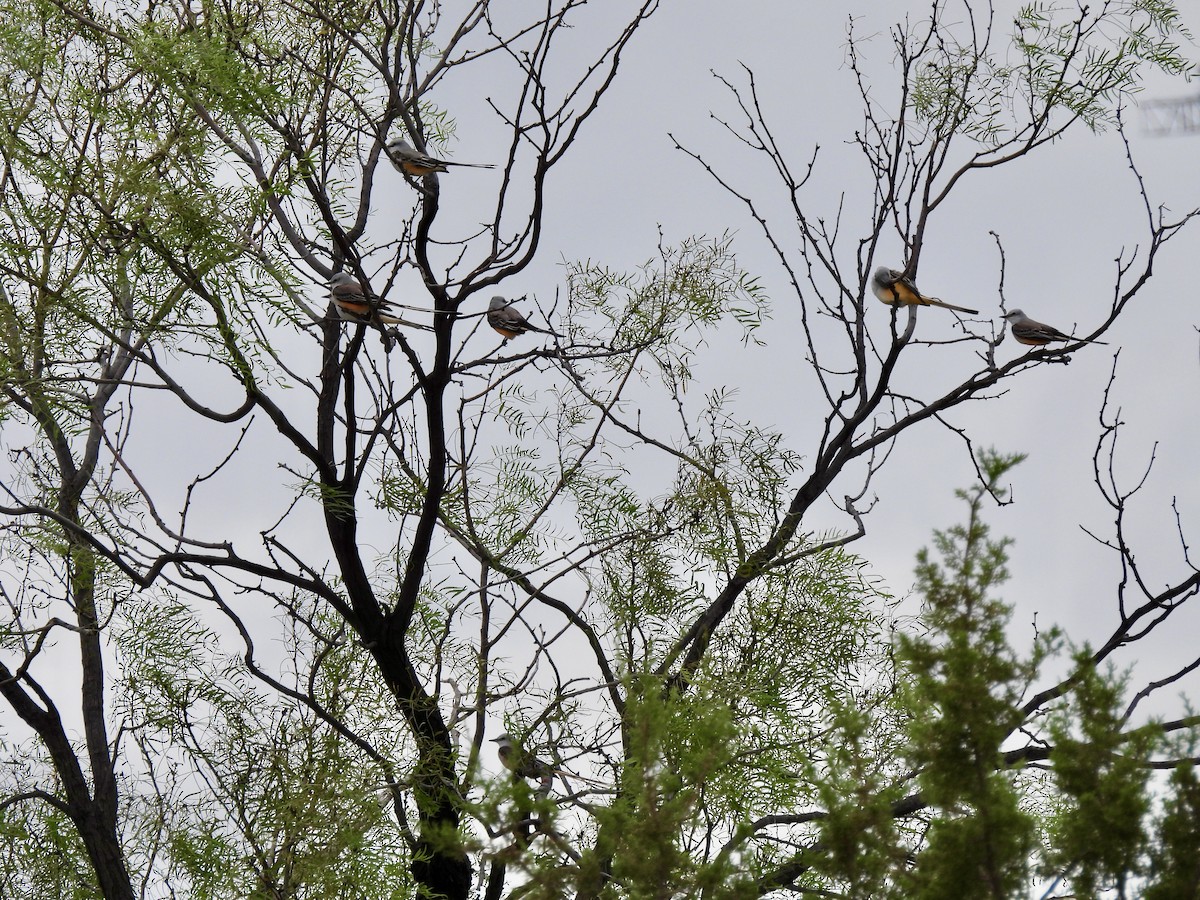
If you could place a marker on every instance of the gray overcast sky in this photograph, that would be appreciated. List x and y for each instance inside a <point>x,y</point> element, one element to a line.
<point>1064,215</point>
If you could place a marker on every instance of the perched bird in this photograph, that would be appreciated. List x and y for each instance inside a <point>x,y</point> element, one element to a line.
<point>891,286</point>
<point>411,161</point>
<point>506,320</point>
<point>525,765</point>
<point>1037,334</point>
<point>354,304</point>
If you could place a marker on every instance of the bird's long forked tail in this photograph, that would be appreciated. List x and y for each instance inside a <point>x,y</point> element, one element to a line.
<point>934,301</point>
<point>563,773</point>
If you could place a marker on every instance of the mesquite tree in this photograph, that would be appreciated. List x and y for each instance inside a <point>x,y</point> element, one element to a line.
<point>291,569</point>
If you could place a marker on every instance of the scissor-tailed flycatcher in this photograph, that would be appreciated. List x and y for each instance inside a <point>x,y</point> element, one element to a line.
<point>891,287</point>
<point>506,320</point>
<point>354,304</point>
<point>525,765</point>
<point>411,161</point>
<point>1037,334</point>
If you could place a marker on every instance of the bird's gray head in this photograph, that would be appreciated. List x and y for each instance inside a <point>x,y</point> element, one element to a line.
<point>884,275</point>
<point>343,279</point>
<point>505,740</point>
<point>400,146</point>
<point>1014,314</point>
<point>498,302</point>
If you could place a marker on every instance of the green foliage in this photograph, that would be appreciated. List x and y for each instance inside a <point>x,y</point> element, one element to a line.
<point>104,215</point>
<point>1090,63</point>
<point>962,686</point>
<point>746,738</point>
<point>1097,833</point>
<point>41,854</point>
<point>731,485</point>
<point>267,794</point>
<point>989,827</point>
<point>143,150</point>
<point>1072,62</point>
<point>1174,866</point>
<point>693,285</point>
<point>864,844</point>
<point>673,748</point>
